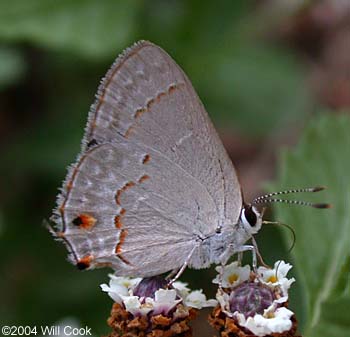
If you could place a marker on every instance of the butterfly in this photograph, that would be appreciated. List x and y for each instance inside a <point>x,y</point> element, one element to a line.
<point>153,189</point>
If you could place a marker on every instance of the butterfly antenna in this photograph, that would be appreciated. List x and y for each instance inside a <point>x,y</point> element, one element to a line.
<point>276,274</point>
<point>267,198</point>
<point>292,191</point>
<point>284,225</point>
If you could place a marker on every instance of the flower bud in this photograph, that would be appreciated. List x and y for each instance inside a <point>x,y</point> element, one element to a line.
<point>149,285</point>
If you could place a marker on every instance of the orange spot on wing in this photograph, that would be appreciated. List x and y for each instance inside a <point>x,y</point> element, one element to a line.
<point>123,189</point>
<point>128,131</point>
<point>150,102</point>
<point>162,94</point>
<point>84,221</point>
<point>117,197</point>
<point>129,184</point>
<point>118,249</point>
<point>146,159</point>
<point>139,112</point>
<point>143,178</point>
<point>122,236</point>
<point>118,221</point>
<point>84,262</point>
<point>118,218</point>
<point>172,88</point>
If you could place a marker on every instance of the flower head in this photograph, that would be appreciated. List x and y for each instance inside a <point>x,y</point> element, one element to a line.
<point>145,305</point>
<point>256,302</point>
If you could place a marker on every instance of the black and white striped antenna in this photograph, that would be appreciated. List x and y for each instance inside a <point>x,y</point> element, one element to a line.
<point>269,198</point>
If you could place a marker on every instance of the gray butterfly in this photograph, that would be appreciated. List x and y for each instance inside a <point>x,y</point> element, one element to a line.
<point>153,189</point>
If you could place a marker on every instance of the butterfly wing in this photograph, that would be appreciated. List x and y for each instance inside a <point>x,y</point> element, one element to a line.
<point>153,176</point>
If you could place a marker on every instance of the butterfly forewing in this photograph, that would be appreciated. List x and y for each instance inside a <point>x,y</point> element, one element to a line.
<point>153,175</point>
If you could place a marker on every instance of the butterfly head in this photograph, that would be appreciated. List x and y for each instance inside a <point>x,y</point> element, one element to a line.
<point>251,218</point>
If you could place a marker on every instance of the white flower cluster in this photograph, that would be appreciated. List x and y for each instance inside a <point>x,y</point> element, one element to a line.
<point>121,290</point>
<point>276,318</point>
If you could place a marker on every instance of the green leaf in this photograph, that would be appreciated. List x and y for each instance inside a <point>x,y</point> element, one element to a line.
<point>91,28</point>
<point>322,250</point>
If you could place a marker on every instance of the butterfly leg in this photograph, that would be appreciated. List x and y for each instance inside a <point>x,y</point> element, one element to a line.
<point>261,260</point>
<point>240,257</point>
<point>182,269</point>
<point>232,249</point>
<point>252,248</point>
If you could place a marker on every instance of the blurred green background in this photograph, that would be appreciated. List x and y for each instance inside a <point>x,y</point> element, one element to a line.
<point>263,69</point>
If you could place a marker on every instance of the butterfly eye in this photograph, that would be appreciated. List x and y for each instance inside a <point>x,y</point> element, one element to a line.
<point>250,215</point>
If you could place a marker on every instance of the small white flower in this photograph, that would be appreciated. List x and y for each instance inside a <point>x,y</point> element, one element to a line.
<point>231,275</point>
<point>277,276</point>
<point>182,288</point>
<point>119,286</point>
<point>128,282</point>
<point>135,307</point>
<point>196,299</point>
<point>164,300</point>
<point>272,321</point>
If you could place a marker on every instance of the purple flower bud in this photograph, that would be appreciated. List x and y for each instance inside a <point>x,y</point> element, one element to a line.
<point>149,285</point>
<point>250,298</point>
